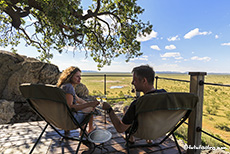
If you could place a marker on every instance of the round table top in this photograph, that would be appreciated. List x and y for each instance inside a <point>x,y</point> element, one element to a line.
<point>99,136</point>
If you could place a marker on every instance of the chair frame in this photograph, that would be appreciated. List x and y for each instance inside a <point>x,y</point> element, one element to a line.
<point>85,122</point>
<point>131,131</point>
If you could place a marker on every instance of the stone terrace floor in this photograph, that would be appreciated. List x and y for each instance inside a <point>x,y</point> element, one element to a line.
<point>19,139</point>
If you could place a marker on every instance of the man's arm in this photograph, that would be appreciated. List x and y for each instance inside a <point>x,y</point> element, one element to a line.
<point>118,124</point>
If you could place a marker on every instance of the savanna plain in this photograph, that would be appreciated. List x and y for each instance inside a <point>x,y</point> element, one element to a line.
<point>216,105</point>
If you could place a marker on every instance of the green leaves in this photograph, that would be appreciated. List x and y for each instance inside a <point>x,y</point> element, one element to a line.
<point>108,29</point>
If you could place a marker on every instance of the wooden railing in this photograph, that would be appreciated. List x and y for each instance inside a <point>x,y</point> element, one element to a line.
<point>195,119</point>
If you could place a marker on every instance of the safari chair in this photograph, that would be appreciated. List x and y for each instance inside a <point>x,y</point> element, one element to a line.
<point>160,114</point>
<point>49,102</point>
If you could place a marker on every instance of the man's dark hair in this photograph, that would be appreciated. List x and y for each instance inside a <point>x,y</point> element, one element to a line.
<point>145,71</point>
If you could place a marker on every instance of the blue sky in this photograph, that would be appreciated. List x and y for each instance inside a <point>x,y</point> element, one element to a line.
<point>188,35</point>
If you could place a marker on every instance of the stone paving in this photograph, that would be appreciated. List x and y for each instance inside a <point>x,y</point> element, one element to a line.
<point>19,139</point>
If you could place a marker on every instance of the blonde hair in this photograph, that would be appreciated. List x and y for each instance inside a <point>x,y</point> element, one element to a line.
<point>67,75</point>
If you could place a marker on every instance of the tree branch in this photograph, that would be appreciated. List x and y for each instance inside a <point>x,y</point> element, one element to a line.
<point>107,26</point>
<point>32,41</point>
<point>98,7</point>
<point>74,36</point>
<point>16,22</point>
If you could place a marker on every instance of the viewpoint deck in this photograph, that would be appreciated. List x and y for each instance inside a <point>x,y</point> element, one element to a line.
<point>19,138</point>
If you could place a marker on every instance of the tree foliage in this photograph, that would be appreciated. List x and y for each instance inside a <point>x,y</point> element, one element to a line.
<point>107,29</point>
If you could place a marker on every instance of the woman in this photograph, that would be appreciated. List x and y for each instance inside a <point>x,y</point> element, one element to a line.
<point>67,81</point>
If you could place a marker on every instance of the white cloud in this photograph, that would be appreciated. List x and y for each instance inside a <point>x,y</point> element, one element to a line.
<point>171,54</point>
<point>142,38</point>
<point>175,55</point>
<point>195,32</point>
<point>227,44</point>
<point>171,67</point>
<point>144,58</point>
<point>216,36</point>
<point>85,60</point>
<point>174,38</point>
<point>201,58</point>
<point>69,48</point>
<point>170,47</point>
<point>2,48</point>
<point>31,20</point>
<point>155,47</point>
<point>178,58</point>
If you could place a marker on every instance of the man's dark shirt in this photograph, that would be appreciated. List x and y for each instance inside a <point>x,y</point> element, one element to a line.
<point>130,114</point>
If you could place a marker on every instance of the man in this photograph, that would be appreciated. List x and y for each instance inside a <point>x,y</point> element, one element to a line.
<point>143,79</point>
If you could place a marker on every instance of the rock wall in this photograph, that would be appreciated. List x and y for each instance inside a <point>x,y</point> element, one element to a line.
<point>6,111</point>
<point>23,113</point>
<point>16,69</point>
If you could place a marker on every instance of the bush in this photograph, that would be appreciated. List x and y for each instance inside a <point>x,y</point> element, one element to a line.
<point>222,126</point>
<point>182,132</point>
<point>211,142</point>
<point>211,110</point>
<point>121,94</point>
<point>227,113</point>
<point>211,118</point>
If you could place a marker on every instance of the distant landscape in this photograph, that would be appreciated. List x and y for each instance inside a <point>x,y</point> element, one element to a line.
<point>157,72</point>
<point>216,110</point>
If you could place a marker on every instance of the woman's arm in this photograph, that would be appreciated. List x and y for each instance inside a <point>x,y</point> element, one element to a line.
<point>80,100</point>
<point>69,99</point>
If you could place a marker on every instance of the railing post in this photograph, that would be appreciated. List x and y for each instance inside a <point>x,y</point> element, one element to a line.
<point>138,94</point>
<point>195,119</point>
<point>156,81</point>
<point>105,96</point>
<point>105,84</point>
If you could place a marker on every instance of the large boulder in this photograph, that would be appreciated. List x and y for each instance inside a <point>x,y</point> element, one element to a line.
<point>16,69</point>
<point>6,111</point>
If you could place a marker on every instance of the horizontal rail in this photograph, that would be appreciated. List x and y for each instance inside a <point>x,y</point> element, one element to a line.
<point>157,77</point>
<point>171,79</point>
<point>213,84</point>
<point>120,98</point>
<point>107,75</point>
<point>107,98</point>
<point>199,129</point>
<point>201,82</point>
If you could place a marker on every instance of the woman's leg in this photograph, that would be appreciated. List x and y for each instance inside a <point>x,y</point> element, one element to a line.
<point>87,110</point>
<point>91,128</point>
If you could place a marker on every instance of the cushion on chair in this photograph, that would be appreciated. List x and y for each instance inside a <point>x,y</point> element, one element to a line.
<point>50,102</point>
<point>55,114</point>
<point>152,125</point>
<point>166,101</point>
<point>157,114</point>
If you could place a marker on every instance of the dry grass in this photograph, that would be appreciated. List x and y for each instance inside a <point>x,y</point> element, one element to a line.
<point>216,99</point>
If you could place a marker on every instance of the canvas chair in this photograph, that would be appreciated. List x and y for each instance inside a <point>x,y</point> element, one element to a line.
<point>159,114</point>
<point>49,102</point>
